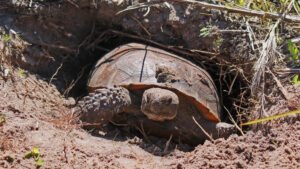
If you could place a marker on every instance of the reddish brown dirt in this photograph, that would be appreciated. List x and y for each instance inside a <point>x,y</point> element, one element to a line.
<point>38,116</point>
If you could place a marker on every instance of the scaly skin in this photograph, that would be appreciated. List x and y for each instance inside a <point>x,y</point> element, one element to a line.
<point>101,105</point>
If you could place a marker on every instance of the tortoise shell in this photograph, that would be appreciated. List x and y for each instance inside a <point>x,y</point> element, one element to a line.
<point>137,66</point>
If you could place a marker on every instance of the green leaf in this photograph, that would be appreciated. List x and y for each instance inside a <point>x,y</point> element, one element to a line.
<point>28,155</point>
<point>293,50</point>
<point>295,80</point>
<point>241,2</point>
<point>204,29</point>
<point>6,38</point>
<point>39,162</point>
<point>35,151</point>
<point>297,5</point>
<point>3,118</point>
<point>218,42</point>
<point>204,34</point>
<point>21,73</point>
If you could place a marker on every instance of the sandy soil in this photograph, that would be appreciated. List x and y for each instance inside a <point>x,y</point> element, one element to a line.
<point>38,116</point>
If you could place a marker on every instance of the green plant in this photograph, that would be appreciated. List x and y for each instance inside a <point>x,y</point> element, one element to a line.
<point>3,118</point>
<point>204,32</point>
<point>297,6</point>
<point>36,155</point>
<point>295,80</point>
<point>267,5</point>
<point>21,73</point>
<point>240,2</point>
<point>293,51</point>
<point>218,42</point>
<point>7,38</point>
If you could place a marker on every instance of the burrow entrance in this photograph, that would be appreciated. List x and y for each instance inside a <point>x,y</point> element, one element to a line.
<point>229,85</point>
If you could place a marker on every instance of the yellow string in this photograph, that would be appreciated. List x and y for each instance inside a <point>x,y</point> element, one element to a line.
<point>270,118</point>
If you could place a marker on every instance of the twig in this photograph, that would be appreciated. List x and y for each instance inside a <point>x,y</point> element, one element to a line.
<point>249,29</point>
<point>73,3</point>
<point>67,49</point>
<point>154,150</point>
<point>232,83</point>
<point>140,5</point>
<point>287,70</point>
<point>116,135</point>
<point>96,41</point>
<point>295,40</point>
<point>232,120</point>
<point>142,131</point>
<point>74,82</point>
<point>281,88</point>
<point>250,34</point>
<point>102,48</point>
<point>244,11</point>
<point>141,25</point>
<point>57,70</point>
<point>211,139</point>
<point>65,151</point>
<point>87,38</point>
<point>168,143</point>
<point>233,31</point>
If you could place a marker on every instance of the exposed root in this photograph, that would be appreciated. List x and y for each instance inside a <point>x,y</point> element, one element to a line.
<point>72,84</point>
<point>56,72</point>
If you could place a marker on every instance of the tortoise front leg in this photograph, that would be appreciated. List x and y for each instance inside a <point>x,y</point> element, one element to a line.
<point>214,130</point>
<point>100,106</point>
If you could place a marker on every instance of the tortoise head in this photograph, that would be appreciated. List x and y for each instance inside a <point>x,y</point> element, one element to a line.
<point>159,104</point>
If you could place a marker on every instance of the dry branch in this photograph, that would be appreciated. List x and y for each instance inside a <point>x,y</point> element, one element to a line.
<point>287,70</point>
<point>210,137</point>
<point>232,120</point>
<point>281,88</point>
<point>60,47</point>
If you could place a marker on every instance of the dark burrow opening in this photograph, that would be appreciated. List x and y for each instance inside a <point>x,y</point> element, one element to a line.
<point>72,72</point>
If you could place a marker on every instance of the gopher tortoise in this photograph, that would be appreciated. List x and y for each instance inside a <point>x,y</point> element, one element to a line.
<point>156,91</point>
